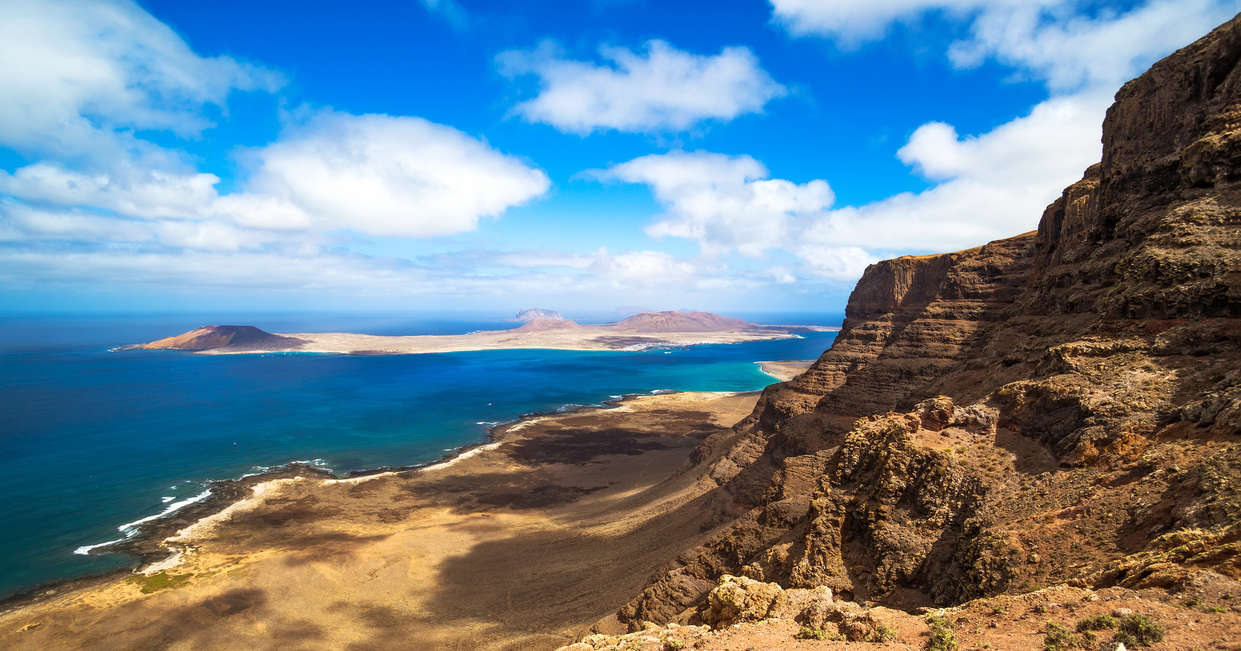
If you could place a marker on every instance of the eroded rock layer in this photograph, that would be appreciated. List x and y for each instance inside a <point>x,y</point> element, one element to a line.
<point>1063,405</point>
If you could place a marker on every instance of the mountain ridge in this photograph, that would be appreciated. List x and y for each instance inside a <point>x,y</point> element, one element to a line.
<point>973,399</point>
<point>674,321</point>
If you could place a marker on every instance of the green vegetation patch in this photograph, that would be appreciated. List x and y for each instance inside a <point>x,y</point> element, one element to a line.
<point>816,633</point>
<point>881,633</point>
<point>942,637</point>
<point>1059,638</point>
<point>149,583</point>
<point>1138,630</point>
<point>1100,623</point>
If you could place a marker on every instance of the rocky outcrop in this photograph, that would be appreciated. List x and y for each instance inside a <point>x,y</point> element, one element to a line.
<point>1027,412</point>
<point>230,337</point>
<point>681,322</point>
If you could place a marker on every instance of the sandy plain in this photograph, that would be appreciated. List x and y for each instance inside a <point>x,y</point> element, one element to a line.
<point>522,543</point>
<point>601,337</point>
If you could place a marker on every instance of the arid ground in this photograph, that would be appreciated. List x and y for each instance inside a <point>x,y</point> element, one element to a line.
<point>524,544</point>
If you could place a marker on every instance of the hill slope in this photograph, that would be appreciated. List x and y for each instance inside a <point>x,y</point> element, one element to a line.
<point>1060,406</point>
<point>231,337</point>
<point>681,322</point>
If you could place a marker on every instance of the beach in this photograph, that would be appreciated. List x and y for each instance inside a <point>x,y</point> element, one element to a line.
<point>785,370</point>
<point>523,542</point>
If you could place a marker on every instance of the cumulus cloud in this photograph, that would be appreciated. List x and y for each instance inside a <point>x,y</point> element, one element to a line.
<point>642,268</point>
<point>99,204</point>
<point>994,184</point>
<point>373,174</point>
<point>840,263</point>
<point>1071,50</point>
<point>990,186</point>
<point>661,88</point>
<point>125,188</point>
<point>729,203</point>
<point>86,228</point>
<point>723,202</point>
<point>389,175</point>
<point>81,75</point>
<point>1067,43</point>
<point>852,21</point>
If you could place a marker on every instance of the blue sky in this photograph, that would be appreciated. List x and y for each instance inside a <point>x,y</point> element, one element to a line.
<point>459,154</point>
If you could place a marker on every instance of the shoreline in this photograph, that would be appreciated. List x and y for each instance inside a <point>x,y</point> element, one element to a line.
<point>589,338</point>
<point>456,536</point>
<point>784,370</point>
<point>148,546</point>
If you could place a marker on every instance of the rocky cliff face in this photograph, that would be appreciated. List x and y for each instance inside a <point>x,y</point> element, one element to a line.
<point>1053,407</point>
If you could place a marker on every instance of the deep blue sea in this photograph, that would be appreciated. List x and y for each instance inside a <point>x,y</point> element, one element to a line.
<point>92,439</point>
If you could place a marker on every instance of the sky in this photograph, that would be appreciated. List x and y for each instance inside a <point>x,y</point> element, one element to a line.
<point>440,155</point>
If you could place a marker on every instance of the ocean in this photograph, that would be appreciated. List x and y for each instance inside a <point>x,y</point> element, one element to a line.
<point>91,439</point>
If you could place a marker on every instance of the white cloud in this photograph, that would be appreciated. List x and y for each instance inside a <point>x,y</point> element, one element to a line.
<point>642,268</point>
<point>993,185</point>
<point>100,207</point>
<point>852,21</point>
<point>126,189</point>
<point>728,203</point>
<point>388,175</point>
<point>81,78</point>
<point>373,174</point>
<point>1071,50</point>
<point>659,89</point>
<point>724,203</point>
<point>537,259</point>
<point>80,75</point>
<point>1067,43</point>
<point>843,263</point>
<point>990,186</point>
<point>23,222</point>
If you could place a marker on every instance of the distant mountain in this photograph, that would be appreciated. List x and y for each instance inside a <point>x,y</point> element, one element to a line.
<point>538,313</point>
<point>681,322</point>
<point>235,337</point>
<point>543,323</point>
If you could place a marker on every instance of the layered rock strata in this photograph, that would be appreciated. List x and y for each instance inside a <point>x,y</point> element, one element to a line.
<point>1057,406</point>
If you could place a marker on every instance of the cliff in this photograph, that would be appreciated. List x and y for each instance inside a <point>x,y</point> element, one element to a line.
<point>1060,406</point>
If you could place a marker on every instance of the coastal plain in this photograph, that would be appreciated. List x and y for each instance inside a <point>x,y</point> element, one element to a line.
<point>600,337</point>
<point>638,332</point>
<point>522,543</point>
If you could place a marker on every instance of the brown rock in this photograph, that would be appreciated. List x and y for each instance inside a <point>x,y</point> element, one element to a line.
<point>739,599</point>
<point>1034,411</point>
<point>232,337</point>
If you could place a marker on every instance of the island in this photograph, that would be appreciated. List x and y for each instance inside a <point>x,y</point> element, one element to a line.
<point>537,313</point>
<point>638,332</point>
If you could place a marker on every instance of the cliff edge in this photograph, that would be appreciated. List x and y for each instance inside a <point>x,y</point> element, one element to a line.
<point>1063,406</point>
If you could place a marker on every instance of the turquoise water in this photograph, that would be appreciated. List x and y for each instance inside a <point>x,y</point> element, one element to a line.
<point>91,439</point>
